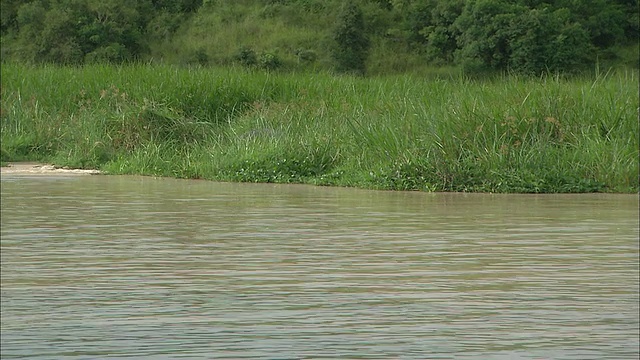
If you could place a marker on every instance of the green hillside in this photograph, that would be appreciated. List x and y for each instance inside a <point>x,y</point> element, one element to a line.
<point>378,36</point>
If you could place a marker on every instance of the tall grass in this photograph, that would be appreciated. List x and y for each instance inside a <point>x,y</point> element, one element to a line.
<point>216,34</point>
<point>505,134</point>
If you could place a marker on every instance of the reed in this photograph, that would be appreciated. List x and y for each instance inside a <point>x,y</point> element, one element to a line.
<point>429,133</point>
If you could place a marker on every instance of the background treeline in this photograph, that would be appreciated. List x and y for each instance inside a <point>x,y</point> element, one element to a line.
<point>373,36</point>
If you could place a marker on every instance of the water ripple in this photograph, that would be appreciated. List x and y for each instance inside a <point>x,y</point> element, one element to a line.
<point>109,267</point>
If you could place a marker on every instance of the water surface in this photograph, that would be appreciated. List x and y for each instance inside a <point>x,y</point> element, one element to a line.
<point>114,267</point>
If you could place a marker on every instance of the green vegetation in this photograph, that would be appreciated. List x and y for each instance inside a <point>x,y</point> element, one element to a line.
<point>380,36</point>
<point>352,44</point>
<point>501,134</point>
<point>386,94</point>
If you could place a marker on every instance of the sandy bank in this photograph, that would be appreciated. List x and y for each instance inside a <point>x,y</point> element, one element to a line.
<point>45,169</point>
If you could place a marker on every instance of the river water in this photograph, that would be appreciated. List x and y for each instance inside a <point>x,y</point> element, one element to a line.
<point>109,267</point>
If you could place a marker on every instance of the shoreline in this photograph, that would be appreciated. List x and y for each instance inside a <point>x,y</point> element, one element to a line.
<point>32,168</point>
<point>44,169</point>
<point>394,133</point>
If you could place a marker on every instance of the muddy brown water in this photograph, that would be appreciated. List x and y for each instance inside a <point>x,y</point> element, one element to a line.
<point>108,267</point>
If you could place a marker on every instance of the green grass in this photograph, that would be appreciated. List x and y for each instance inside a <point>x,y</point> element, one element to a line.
<point>428,132</point>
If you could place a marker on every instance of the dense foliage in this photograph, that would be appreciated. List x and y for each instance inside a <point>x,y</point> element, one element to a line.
<point>529,36</point>
<point>352,44</point>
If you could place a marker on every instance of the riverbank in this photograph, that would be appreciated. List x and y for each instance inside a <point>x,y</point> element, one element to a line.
<point>504,134</point>
<point>25,168</point>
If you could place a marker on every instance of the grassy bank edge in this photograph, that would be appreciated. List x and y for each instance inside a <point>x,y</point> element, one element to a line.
<point>506,134</point>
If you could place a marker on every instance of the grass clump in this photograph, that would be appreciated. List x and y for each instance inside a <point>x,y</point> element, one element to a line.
<point>429,133</point>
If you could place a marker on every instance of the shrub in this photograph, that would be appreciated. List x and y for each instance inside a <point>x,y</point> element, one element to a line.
<point>352,43</point>
<point>269,61</point>
<point>247,57</point>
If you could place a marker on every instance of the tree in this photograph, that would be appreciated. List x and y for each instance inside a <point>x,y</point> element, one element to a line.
<point>46,34</point>
<point>352,44</point>
<point>76,31</point>
<point>603,19</point>
<point>548,41</point>
<point>432,27</point>
<point>500,35</point>
<point>8,15</point>
<point>485,33</point>
<point>111,30</point>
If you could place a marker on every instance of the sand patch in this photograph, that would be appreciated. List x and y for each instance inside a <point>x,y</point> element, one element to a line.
<point>45,169</point>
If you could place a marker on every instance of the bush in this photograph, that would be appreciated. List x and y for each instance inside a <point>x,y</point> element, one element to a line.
<point>247,57</point>
<point>269,61</point>
<point>352,43</point>
<point>200,57</point>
